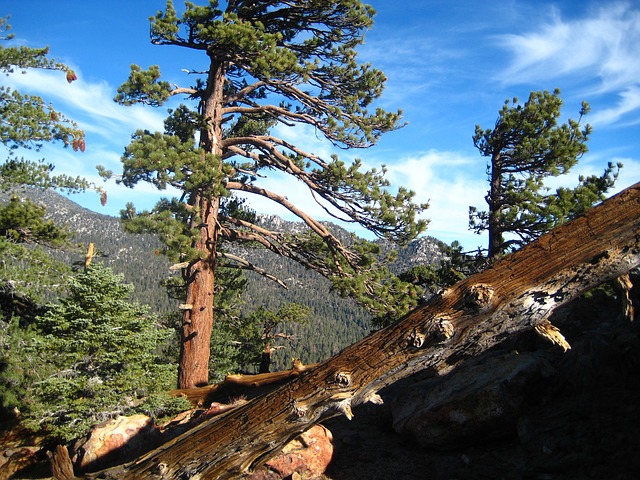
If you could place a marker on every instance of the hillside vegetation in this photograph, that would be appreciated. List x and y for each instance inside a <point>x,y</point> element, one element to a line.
<point>334,322</point>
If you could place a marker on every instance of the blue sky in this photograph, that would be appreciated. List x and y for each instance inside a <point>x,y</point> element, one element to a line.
<point>450,66</point>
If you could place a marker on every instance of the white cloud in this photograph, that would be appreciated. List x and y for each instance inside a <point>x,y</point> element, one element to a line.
<point>90,104</point>
<point>108,128</point>
<point>450,182</point>
<point>628,102</point>
<point>602,45</point>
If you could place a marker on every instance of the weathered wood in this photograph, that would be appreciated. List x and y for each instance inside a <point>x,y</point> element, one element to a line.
<point>623,285</point>
<point>240,386</point>
<point>61,466</point>
<point>89,255</point>
<point>515,294</point>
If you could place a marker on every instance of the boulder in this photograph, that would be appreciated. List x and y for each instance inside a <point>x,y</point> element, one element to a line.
<point>480,400</point>
<point>306,456</point>
<point>115,441</point>
<point>14,460</point>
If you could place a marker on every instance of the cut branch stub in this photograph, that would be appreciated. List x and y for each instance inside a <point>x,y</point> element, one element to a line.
<point>552,333</point>
<point>342,403</point>
<point>344,407</point>
<point>373,398</point>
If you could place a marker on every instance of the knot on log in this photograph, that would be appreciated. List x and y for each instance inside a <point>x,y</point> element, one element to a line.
<point>160,469</point>
<point>444,330</point>
<point>343,379</point>
<point>416,339</point>
<point>299,412</point>
<point>477,298</point>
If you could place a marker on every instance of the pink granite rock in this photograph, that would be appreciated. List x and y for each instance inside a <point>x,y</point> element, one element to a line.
<point>118,439</point>
<point>308,454</point>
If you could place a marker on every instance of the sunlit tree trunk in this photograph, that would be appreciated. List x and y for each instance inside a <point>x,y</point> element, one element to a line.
<point>198,317</point>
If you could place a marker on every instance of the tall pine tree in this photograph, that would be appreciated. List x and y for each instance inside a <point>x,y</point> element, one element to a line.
<point>266,64</point>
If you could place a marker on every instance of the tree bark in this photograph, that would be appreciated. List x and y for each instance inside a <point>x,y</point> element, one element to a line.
<point>515,294</point>
<point>494,199</point>
<point>197,321</point>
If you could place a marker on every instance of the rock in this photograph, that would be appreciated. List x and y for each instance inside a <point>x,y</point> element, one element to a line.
<point>115,441</point>
<point>262,473</point>
<point>482,399</point>
<point>14,460</point>
<point>306,456</point>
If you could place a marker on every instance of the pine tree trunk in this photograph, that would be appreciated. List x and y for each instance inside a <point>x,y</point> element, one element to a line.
<point>197,322</point>
<point>494,199</point>
<point>517,293</point>
<point>265,360</point>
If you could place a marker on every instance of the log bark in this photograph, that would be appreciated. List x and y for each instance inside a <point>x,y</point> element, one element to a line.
<point>515,294</point>
<point>61,466</point>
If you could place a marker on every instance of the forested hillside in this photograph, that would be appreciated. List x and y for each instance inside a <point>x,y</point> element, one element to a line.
<point>334,322</point>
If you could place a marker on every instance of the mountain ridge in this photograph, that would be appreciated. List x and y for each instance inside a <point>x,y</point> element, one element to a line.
<point>335,321</point>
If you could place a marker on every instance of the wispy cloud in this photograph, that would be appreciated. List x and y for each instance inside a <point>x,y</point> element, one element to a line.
<point>108,127</point>
<point>602,45</point>
<point>628,102</point>
<point>91,104</point>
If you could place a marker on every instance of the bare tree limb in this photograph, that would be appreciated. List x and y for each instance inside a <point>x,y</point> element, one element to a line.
<point>247,265</point>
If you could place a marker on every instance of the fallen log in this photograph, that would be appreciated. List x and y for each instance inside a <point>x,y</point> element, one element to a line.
<point>517,293</point>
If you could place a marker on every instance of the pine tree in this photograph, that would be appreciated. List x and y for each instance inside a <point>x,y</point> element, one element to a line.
<point>525,147</point>
<point>266,64</point>
<point>28,121</point>
<point>29,275</point>
<point>107,359</point>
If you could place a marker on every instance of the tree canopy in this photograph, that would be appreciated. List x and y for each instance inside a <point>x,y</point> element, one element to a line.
<point>28,121</point>
<point>266,67</point>
<point>525,147</point>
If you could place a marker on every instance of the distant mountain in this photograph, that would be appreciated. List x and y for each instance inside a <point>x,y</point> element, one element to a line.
<point>132,255</point>
<point>335,322</point>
